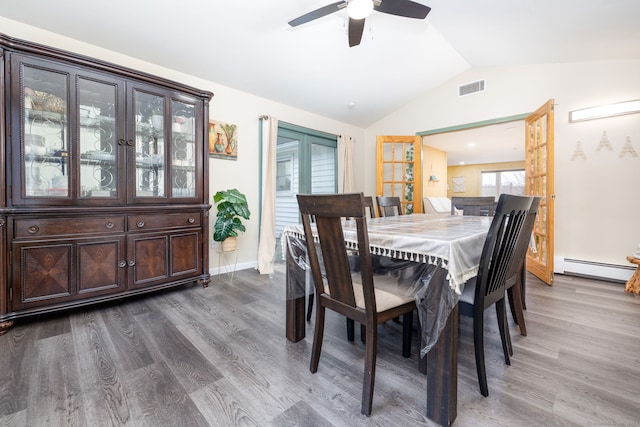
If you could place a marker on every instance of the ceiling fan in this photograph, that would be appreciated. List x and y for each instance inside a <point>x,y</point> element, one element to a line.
<point>358,10</point>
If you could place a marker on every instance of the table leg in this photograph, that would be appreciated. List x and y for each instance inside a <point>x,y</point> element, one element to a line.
<point>295,307</point>
<point>442,374</point>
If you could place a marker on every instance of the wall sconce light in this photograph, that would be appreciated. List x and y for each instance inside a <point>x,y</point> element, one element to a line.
<point>603,111</point>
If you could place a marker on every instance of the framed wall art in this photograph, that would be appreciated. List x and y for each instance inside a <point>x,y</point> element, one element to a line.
<point>223,140</point>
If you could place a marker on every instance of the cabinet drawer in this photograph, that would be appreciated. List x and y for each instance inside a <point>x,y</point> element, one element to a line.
<point>68,226</point>
<point>163,221</point>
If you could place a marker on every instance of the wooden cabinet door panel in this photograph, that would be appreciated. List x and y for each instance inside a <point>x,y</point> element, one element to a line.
<point>148,259</point>
<point>42,272</point>
<point>101,266</point>
<point>185,254</point>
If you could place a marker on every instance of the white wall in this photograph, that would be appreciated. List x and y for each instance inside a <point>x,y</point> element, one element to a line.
<point>228,105</point>
<point>597,199</point>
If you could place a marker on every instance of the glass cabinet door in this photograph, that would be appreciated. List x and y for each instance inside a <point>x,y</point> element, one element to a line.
<point>97,139</point>
<point>150,137</point>
<point>45,142</point>
<point>183,150</point>
<point>69,138</point>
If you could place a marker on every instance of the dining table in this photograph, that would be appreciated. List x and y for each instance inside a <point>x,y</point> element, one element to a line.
<point>433,255</point>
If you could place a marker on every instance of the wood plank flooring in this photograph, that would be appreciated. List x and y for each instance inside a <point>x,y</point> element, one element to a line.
<point>219,357</point>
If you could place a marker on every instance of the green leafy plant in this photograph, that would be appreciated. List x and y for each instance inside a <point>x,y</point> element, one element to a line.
<point>232,207</point>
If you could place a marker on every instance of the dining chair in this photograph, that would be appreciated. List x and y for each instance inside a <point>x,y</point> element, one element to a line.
<point>370,208</point>
<point>477,206</point>
<point>351,294</point>
<point>488,287</point>
<point>389,205</point>
<point>517,273</point>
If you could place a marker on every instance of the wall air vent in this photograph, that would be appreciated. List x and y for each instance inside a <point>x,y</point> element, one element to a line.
<point>471,88</point>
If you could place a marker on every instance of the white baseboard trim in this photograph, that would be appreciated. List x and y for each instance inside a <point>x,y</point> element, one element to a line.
<point>229,268</point>
<point>599,270</point>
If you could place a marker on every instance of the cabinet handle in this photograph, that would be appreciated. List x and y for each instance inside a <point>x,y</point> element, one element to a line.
<point>121,142</point>
<point>140,223</point>
<point>191,220</point>
<point>109,225</point>
<point>130,143</point>
<point>131,263</point>
<point>33,229</point>
<point>122,264</point>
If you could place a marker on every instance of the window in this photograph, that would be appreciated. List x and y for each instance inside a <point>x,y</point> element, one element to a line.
<point>494,183</point>
<point>284,173</point>
<point>306,163</point>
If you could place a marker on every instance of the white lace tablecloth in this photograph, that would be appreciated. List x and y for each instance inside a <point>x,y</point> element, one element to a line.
<point>453,242</point>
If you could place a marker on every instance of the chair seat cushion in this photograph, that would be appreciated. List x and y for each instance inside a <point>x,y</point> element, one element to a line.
<point>389,292</point>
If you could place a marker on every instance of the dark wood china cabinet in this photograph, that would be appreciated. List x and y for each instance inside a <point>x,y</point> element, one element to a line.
<point>104,190</point>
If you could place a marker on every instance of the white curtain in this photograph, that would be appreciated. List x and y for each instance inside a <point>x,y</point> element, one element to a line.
<point>345,163</point>
<point>267,243</point>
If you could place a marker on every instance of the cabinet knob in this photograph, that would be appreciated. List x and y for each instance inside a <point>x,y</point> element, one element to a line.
<point>140,223</point>
<point>122,264</point>
<point>109,225</point>
<point>130,142</point>
<point>2,222</point>
<point>121,142</point>
<point>131,263</point>
<point>33,229</point>
<point>191,220</point>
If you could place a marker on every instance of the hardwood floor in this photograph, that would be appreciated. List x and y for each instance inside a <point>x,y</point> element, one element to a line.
<point>219,357</point>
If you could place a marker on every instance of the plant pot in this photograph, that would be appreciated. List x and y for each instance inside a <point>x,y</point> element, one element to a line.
<point>229,244</point>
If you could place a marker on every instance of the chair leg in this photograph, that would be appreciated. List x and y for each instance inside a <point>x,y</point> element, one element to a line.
<point>503,326</point>
<point>310,306</point>
<point>515,302</point>
<point>369,369</point>
<point>523,285</point>
<point>478,345</point>
<point>317,339</point>
<point>350,329</point>
<point>407,331</point>
<point>363,333</point>
<point>512,305</point>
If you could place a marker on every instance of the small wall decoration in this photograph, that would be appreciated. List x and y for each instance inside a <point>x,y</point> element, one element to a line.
<point>579,153</point>
<point>458,184</point>
<point>604,142</point>
<point>628,149</point>
<point>223,140</point>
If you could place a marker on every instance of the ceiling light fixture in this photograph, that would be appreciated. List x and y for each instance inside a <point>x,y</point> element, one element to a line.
<point>359,9</point>
<point>602,111</point>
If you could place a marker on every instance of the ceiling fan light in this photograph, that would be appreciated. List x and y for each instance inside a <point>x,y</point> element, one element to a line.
<point>359,9</point>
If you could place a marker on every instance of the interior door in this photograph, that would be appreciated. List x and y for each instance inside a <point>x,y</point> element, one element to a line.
<point>539,177</point>
<point>399,170</point>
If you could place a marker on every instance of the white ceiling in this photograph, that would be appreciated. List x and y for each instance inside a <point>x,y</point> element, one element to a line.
<point>247,44</point>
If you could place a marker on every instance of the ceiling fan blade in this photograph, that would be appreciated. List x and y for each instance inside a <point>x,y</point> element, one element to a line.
<point>318,13</point>
<point>405,8</point>
<point>356,28</point>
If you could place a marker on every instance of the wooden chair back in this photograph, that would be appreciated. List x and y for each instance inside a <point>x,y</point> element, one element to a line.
<point>516,275</point>
<point>389,205</point>
<point>499,248</point>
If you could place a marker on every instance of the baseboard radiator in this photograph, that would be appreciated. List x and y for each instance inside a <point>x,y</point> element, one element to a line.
<point>596,270</point>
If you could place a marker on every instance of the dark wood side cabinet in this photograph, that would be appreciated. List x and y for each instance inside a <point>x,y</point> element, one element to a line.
<point>104,191</point>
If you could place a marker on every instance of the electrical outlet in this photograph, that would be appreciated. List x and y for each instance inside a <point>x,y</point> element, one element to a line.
<point>214,244</point>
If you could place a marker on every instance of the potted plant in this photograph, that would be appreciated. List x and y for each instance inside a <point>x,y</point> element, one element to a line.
<point>232,207</point>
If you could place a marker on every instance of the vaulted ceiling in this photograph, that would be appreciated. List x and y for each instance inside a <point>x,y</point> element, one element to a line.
<point>247,45</point>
